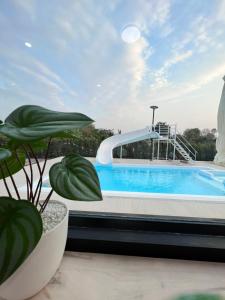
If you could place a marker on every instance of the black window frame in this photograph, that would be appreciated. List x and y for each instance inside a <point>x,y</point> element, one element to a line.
<point>147,235</point>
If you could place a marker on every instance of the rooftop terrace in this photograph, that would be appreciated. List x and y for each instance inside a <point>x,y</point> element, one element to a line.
<point>129,277</point>
<point>99,276</point>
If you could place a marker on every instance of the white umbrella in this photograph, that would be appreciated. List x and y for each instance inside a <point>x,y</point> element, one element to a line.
<point>220,142</point>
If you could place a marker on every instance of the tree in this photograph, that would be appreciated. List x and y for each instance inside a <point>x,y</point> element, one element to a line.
<point>192,135</point>
<point>203,141</point>
<point>86,142</point>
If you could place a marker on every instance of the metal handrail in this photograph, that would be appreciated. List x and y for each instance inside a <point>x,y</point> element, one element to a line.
<point>193,150</point>
<point>180,137</point>
<point>172,133</point>
<point>188,143</point>
<point>161,129</point>
<point>189,151</point>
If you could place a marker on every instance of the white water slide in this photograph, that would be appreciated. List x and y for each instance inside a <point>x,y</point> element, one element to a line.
<point>105,150</point>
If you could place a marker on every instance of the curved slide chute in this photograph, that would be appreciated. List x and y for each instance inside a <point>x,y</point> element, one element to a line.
<point>105,150</point>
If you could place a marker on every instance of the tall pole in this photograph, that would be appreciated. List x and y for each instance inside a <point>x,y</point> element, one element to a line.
<point>174,145</point>
<point>153,107</point>
<point>153,117</point>
<point>121,147</point>
<point>153,149</point>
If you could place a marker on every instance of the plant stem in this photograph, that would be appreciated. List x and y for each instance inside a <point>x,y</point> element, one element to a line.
<point>27,177</point>
<point>39,185</point>
<point>31,174</point>
<point>5,182</point>
<point>13,182</point>
<point>45,203</point>
<point>40,172</point>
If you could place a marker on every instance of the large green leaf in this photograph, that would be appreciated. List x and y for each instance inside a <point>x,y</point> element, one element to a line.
<point>75,178</point>
<point>20,230</point>
<point>31,122</point>
<point>13,163</point>
<point>4,154</point>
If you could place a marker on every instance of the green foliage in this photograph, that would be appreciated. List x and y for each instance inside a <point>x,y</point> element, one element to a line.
<point>193,134</point>
<point>38,145</point>
<point>84,141</point>
<point>31,122</point>
<point>68,134</point>
<point>75,178</point>
<point>20,231</point>
<point>203,141</point>
<point>4,154</point>
<point>3,140</point>
<point>11,164</point>
<point>29,130</point>
<point>87,140</point>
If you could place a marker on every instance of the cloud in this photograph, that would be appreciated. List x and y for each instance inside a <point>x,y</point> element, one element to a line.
<point>203,31</point>
<point>79,24</point>
<point>125,67</point>
<point>27,6</point>
<point>39,78</point>
<point>177,92</point>
<point>217,72</point>
<point>135,60</point>
<point>77,46</point>
<point>166,30</point>
<point>178,57</point>
<point>171,96</point>
<point>33,80</point>
<point>152,13</point>
<point>220,14</point>
<point>160,76</point>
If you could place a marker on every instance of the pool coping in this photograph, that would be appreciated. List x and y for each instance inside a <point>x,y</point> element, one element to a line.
<point>158,196</point>
<point>134,226</point>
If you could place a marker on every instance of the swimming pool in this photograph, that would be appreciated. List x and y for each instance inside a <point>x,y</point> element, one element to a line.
<point>160,180</point>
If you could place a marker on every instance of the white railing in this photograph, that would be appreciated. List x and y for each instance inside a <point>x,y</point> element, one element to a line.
<point>188,147</point>
<point>169,132</point>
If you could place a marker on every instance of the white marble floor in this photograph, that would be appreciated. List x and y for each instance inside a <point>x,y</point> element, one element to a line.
<point>88,276</point>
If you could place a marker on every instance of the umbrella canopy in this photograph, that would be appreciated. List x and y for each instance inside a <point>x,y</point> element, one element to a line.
<point>220,142</point>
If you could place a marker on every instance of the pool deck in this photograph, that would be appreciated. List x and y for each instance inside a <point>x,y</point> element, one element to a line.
<point>95,276</point>
<point>156,205</point>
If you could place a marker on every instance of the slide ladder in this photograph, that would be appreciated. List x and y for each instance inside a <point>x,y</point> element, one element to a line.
<point>181,150</point>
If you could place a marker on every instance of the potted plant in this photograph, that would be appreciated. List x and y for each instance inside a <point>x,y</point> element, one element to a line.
<point>33,230</point>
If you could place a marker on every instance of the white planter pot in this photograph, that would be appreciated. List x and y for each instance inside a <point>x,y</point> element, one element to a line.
<point>39,267</point>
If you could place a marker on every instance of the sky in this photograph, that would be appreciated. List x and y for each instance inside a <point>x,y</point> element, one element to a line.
<point>69,56</point>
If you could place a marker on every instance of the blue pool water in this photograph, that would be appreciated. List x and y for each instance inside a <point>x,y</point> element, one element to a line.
<point>168,180</point>
<point>161,179</point>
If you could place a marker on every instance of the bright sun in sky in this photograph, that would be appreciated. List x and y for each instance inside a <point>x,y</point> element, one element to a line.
<point>130,34</point>
<point>113,59</point>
